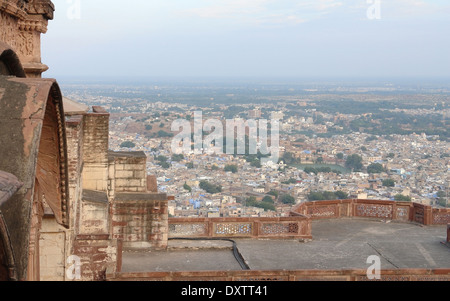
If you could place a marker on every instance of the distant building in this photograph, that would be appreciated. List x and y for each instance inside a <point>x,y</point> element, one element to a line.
<point>254,114</point>
<point>279,115</point>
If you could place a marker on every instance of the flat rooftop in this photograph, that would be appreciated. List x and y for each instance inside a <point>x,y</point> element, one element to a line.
<point>337,244</point>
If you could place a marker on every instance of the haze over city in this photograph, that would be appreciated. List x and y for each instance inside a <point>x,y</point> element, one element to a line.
<point>255,38</point>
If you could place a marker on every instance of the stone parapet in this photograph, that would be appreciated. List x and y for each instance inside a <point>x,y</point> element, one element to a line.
<point>140,220</point>
<point>377,209</point>
<point>293,227</point>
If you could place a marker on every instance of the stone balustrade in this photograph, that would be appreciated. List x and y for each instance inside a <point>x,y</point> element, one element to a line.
<point>282,227</point>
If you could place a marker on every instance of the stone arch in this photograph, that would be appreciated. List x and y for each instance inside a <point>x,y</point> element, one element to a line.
<point>51,169</point>
<point>9,62</point>
<point>32,117</point>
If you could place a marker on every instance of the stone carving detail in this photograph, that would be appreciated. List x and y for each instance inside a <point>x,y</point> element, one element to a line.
<point>369,210</point>
<point>8,30</point>
<point>26,45</point>
<point>21,23</point>
<point>323,211</point>
<point>279,228</point>
<point>403,213</point>
<point>387,278</point>
<point>20,40</point>
<point>181,230</point>
<point>419,215</point>
<point>441,218</point>
<point>234,229</point>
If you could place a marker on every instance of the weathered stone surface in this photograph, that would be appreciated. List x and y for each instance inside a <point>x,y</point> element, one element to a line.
<point>140,220</point>
<point>31,122</point>
<point>9,184</point>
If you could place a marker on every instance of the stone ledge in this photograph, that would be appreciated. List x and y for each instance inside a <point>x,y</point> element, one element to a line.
<point>141,197</point>
<point>95,196</point>
<point>113,154</point>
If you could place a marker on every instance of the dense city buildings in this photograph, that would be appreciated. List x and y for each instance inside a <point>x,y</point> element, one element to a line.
<point>315,146</point>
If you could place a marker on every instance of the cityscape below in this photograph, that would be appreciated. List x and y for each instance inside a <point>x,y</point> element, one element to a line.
<point>384,140</point>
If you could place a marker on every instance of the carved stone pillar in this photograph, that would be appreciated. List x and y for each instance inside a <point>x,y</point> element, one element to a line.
<point>21,24</point>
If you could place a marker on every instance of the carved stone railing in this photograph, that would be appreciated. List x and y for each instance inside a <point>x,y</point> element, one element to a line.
<point>298,226</point>
<point>389,210</point>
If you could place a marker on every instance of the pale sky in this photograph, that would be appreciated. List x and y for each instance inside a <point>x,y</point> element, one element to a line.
<point>248,38</point>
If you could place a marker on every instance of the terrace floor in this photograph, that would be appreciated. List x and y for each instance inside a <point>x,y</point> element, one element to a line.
<point>337,244</point>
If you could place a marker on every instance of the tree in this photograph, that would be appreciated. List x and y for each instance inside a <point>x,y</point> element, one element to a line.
<point>290,181</point>
<point>287,199</point>
<point>231,167</point>
<point>340,156</point>
<point>256,163</point>
<point>442,198</point>
<point>341,195</point>
<point>214,167</point>
<point>190,165</point>
<point>128,144</point>
<point>375,168</point>
<point>440,194</point>
<point>161,158</point>
<point>402,198</point>
<point>274,193</point>
<point>267,206</point>
<point>210,188</point>
<point>164,134</point>
<point>388,183</point>
<point>148,127</point>
<point>267,199</point>
<point>288,158</point>
<point>177,157</point>
<point>187,187</point>
<point>251,202</point>
<point>327,195</point>
<point>166,165</point>
<point>315,196</point>
<point>309,170</point>
<point>354,162</point>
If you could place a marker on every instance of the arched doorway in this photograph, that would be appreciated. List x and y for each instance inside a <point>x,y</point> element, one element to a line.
<point>9,62</point>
